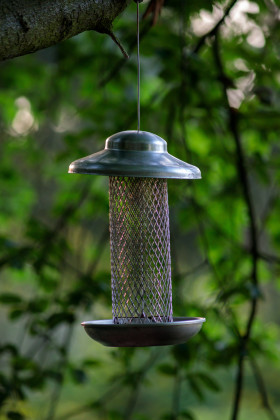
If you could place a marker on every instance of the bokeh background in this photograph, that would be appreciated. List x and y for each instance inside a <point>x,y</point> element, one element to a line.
<point>211,88</point>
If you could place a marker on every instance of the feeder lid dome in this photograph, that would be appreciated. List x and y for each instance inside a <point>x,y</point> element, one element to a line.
<point>135,154</point>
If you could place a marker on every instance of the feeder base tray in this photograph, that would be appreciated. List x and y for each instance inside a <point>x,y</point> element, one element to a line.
<point>143,335</point>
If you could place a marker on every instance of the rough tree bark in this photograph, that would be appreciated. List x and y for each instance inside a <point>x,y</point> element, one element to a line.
<point>30,25</point>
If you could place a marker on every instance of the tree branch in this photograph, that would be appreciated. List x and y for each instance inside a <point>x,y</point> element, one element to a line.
<point>27,26</point>
<point>135,391</point>
<point>233,125</point>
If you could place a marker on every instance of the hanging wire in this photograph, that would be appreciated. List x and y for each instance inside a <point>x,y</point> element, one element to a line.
<point>138,69</point>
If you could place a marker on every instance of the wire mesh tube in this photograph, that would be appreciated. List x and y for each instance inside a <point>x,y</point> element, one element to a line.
<point>140,250</point>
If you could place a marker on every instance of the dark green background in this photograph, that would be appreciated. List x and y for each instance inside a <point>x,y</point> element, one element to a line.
<point>215,100</point>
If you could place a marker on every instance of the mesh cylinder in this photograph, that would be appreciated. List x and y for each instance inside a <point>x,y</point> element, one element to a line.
<point>140,250</point>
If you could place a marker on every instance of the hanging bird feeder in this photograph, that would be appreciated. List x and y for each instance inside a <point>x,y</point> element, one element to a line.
<point>138,166</point>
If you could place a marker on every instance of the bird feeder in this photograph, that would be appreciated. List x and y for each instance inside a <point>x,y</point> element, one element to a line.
<point>138,166</point>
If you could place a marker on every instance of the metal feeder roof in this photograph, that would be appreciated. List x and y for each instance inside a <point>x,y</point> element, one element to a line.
<point>135,154</point>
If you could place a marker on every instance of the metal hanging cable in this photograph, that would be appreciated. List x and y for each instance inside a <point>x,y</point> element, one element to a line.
<point>138,70</point>
<point>138,66</point>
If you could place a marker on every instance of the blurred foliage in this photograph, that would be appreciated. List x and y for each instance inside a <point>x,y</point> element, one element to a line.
<point>214,95</point>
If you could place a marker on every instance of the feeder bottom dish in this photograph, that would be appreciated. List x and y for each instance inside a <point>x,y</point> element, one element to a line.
<point>178,331</point>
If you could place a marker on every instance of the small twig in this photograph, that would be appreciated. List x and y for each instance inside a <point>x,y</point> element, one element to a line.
<point>192,271</point>
<point>118,43</point>
<point>272,200</point>
<point>113,391</point>
<point>100,246</point>
<point>262,388</point>
<point>214,30</point>
<point>176,397</point>
<point>121,62</point>
<point>58,387</point>
<point>59,226</point>
<point>154,8</point>
<point>132,401</point>
<point>136,389</point>
<point>269,258</point>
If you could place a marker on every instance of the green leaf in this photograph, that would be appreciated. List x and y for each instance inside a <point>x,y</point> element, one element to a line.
<point>195,386</point>
<point>15,415</point>
<point>79,375</point>
<point>54,374</point>
<point>59,318</point>
<point>187,415</point>
<point>167,369</point>
<point>115,415</point>
<point>9,348</point>
<point>16,314</point>
<point>208,381</point>
<point>10,298</point>
<point>167,417</point>
<point>37,305</point>
<point>91,362</point>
